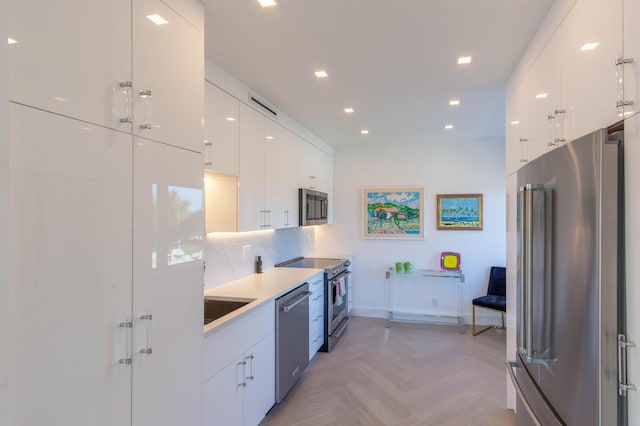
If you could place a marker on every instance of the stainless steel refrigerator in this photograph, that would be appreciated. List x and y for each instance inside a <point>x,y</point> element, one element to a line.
<point>570,368</point>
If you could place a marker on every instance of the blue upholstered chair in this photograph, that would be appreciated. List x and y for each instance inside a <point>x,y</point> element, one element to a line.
<point>496,298</point>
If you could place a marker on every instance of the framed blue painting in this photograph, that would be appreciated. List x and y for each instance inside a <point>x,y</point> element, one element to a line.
<point>460,211</point>
<point>393,212</point>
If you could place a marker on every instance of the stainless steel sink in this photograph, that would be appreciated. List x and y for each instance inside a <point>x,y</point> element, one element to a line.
<point>217,307</point>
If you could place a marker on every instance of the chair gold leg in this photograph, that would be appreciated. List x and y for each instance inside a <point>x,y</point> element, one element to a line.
<point>474,332</point>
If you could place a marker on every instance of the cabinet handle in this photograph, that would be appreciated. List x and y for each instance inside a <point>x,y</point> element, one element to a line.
<point>624,61</point>
<point>207,143</point>
<point>250,376</point>
<point>145,126</point>
<point>208,164</point>
<point>620,104</point>
<point>148,350</point>
<point>125,87</point>
<point>127,357</point>
<point>145,93</point>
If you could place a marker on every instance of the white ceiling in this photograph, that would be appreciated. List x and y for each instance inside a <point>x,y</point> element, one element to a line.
<point>393,61</point>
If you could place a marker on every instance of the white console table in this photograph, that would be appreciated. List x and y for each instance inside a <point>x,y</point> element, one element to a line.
<point>416,288</point>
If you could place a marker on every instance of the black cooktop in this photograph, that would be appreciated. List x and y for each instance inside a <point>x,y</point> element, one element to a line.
<point>313,262</point>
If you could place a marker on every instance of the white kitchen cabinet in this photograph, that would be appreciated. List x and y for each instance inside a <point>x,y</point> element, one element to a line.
<point>167,284</point>
<point>222,131</point>
<point>632,210</point>
<point>546,122</point>
<point>221,202</point>
<point>168,61</point>
<point>251,178</point>
<point>281,173</point>
<point>518,128</point>
<point>631,68</point>
<point>239,369</point>
<point>589,88</point>
<point>316,314</point>
<point>70,276</point>
<point>315,168</point>
<point>75,67</point>
<point>268,191</point>
<point>72,66</point>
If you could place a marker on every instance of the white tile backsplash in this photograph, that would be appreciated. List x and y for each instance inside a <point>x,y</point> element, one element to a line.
<point>223,251</point>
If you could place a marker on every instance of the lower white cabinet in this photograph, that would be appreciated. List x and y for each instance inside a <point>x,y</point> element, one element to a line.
<point>316,314</point>
<point>239,370</point>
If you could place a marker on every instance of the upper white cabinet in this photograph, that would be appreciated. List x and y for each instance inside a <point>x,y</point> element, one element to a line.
<point>591,36</point>
<point>70,275</point>
<point>119,70</point>
<point>315,168</point>
<point>168,76</point>
<point>268,179</point>
<point>251,179</point>
<point>518,128</point>
<point>73,67</point>
<point>221,131</point>
<point>281,176</point>
<point>629,67</point>
<point>167,285</point>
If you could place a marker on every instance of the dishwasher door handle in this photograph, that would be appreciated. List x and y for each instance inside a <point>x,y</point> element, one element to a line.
<point>297,300</point>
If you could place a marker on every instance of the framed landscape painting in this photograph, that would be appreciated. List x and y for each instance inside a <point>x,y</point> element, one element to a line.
<point>460,211</point>
<point>393,212</point>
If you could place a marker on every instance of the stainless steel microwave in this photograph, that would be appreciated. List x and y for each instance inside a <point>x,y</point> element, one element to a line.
<point>314,207</point>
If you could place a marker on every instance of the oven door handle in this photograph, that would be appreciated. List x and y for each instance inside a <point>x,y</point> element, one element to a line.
<point>297,300</point>
<point>341,276</point>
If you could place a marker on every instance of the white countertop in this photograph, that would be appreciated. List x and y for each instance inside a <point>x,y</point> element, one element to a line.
<point>272,283</point>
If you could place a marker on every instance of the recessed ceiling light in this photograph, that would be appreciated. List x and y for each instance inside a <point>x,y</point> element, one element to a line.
<point>448,126</point>
<point>157,19</point>
<point>267,3</point>
<point>230,119</point>
<point>348,110</point>
<point>542,95</point>
<point>269,138</point>
<point>321,74</point>
<point>11,41</point>
<point>464,60</point>
<point>589,46</point>
<point>513,123</point>
<point>364,132</point>
<point>60,99</point>
<point>454,102</point>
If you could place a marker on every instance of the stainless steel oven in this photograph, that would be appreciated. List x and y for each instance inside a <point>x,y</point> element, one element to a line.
<point>336,304</point>
<point>336,294</point>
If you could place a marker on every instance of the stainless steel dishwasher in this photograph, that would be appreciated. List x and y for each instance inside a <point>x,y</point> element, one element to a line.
<point>292,338</point>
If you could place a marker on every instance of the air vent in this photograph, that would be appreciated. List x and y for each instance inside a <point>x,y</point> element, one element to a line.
<point>263,105</point>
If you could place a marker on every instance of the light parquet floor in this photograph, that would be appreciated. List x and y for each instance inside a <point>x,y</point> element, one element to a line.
<point>403,375</point>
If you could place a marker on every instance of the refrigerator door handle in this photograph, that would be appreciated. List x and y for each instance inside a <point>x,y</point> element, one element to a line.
<point>510,366</point>
<point>623,385</point>
<point>533,253</point>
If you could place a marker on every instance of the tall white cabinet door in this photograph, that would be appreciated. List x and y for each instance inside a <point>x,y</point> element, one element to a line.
<point>631,11</point>
<point>281,176</point>
<point>251,178</point>
<point>589,88</point>
<point>222,131</point>
<point>168,62</point>
<point>632,231</point>
<point>260,374</point>
<point>70,277</point>
<point>72,66</point>
<point>167,285</point>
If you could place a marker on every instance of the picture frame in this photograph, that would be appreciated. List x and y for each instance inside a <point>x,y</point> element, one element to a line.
<point>459,212</point>
<point>393,212</point>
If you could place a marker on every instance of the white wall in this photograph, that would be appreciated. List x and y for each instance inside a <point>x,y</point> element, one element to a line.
<point>4,215</point>
<point>455,167</point>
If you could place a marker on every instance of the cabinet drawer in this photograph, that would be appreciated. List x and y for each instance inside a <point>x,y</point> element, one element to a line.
<point>223,346</point>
